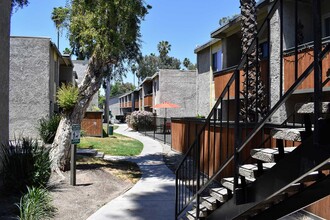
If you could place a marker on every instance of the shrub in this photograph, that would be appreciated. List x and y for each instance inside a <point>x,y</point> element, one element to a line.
<point>139,120</point>
<point>47,128</point>
<point>24,163</point>
<point>67,96</point>
<point>36,205</point>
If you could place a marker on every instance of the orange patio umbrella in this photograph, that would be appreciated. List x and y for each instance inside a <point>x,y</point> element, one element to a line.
<point>166,105</point>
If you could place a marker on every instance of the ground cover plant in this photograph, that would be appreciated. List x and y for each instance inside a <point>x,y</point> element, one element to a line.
<point>26,168</point>
<point>36,204</point>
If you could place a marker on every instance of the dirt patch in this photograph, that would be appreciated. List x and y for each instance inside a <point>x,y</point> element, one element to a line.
<point>98,182</point>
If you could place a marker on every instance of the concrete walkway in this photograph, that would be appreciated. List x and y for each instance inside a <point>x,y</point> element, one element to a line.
<point>153,196</point>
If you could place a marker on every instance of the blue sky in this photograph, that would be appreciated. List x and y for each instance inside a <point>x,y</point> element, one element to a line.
<point>184,23</point>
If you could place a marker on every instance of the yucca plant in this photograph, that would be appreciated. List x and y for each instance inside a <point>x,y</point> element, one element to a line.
<point>67,96</point>
<point>36,204</point>
<point>24,163</point>
<point>47,128</point>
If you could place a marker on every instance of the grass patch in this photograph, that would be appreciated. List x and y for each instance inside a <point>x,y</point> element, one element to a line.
<point>105,128</point>
<point>124,170</point>
<point>115,145</point>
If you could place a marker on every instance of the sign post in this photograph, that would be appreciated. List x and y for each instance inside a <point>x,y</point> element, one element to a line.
<point>75,139</point>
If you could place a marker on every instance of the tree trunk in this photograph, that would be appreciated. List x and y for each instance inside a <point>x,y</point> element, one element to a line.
<point>253,104</point>
<point>60,152</point>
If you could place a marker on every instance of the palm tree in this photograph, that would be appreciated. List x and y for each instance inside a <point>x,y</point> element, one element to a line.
<point>163,48</point>
<point>59,17</point>
<point>186,62</point>
<point>253,104</point>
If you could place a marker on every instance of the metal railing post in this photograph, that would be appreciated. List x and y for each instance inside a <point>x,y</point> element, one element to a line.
<point>198,174</point>
<point>155,126</point>
<point>237,138</point>
<point>176,194</point>
<point>164,130</point>
<point>317,68</point>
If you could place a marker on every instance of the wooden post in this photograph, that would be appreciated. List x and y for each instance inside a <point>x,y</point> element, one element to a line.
<point>73,165</point>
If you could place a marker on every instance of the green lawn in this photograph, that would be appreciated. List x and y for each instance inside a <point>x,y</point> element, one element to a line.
<point>116,145</point>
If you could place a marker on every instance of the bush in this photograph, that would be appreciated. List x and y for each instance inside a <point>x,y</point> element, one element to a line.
<point>47,128</point>
<point>36,205</point>
<point>140,120</point>
<point>24,163</point>
<point>67,97</point>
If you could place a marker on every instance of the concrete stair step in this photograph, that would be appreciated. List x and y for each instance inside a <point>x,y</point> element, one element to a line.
<point>210,202</point>
<point>100,155</point>
<point>264,205</point>
<point>269,155</point>
<point>289,134</point>
<point>251,170</point>
<point>87,152</point>
<point>308,108</point>
<point>228,182</point>
<point>220,194</point>
<point>191,215</point>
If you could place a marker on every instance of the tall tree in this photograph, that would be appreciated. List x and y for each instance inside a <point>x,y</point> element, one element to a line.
<point>60,17</point>
<point>67,51</point>
<point>150,64</point>
<point>120,88</point>
<point>164,47</point>
<point>15,4</point>
<point>255,107</point>
<point>189,65</point>
<point>108,33</point>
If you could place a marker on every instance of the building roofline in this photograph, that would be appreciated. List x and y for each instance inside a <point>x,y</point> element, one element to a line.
<point>206,45</point>
<point>32,37</point>
<point>235,20</point>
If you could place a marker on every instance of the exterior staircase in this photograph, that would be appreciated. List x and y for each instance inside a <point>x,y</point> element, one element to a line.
<point>270,161</point>
<point>236,169</point>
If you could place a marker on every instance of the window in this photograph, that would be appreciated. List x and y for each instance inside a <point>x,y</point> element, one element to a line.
<point>263,50</point>
<point>217,61</point>
<point>327,26</point>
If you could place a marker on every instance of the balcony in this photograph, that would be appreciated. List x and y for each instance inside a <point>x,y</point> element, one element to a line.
<point>222,77</point>
<point>148,100</point>
<point>305,58</point>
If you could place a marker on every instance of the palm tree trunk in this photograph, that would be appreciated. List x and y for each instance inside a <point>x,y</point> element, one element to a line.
<point>253,104</point>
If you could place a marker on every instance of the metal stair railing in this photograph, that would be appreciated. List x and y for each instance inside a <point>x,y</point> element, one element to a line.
<point>212,155</point>
<point>193,173</point>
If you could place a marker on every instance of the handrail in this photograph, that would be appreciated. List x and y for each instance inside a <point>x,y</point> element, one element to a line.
<point>214,109</point>
<point>285,97</point>
<point>194,170</point>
